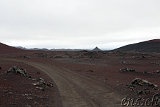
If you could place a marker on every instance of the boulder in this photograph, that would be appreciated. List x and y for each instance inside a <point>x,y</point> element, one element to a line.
<point>17,70</point>
<point>41,84</point>
<point>157,71</point>
<point>142,82</point>
<point>38,72</point>
<point>127,70</point>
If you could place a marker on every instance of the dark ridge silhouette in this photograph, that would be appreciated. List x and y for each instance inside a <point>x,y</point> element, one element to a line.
<point>8,49</point>
<point>146,46</point>
<point>96,49</point>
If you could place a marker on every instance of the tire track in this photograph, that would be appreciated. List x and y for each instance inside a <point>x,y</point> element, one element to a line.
<point>77,90</point>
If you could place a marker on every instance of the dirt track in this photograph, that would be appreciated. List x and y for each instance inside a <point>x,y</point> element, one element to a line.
<point>77,90</point>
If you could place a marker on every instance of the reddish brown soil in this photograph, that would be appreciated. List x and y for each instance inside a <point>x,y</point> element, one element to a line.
<point>80,76</point>
<point>4,49</point>
<point>17,90</point>
<point>108,66</point>
<point>110,69</point>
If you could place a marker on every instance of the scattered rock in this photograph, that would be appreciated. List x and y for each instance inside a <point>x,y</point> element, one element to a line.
<point>58,57</point>
<point>36,103</point>
<point>143,56</point>
<point>140,92</point>
<point>10,92</point>
<point>123,62</point>
<point>145,72</point>
<point>26,94</point>
<point>146,91</point>
<point>127,70</point>
<point>29,98</point>
<point>41,84</point>
<point>41,88</point>
<point>50,84</point>
<point>141,86</point>
<point>128,62</point>
<point>156,63</point>
<point>25,57</point>
<point>90,54</point>
<point>144,83</point>
<point>36,84</point>
<point>141,82</point>
<point>42,55</point>
<point>38,72</point>
<point>90,71</point>
<point>34,79</point>
<point>29,76</point>
<point>105,80</point>
<point>17,70</point>
<point>17,88</point>
<point>28,106</point>
<point>5,91</point>
<point>157,71</point>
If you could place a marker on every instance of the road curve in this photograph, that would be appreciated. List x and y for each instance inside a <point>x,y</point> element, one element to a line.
<point>77,90</point>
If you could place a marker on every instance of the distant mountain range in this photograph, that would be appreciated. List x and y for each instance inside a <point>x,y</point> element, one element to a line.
<point>146,46</point>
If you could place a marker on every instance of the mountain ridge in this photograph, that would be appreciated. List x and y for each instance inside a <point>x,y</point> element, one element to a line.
<point>145,46</point>
<point>8,49</point>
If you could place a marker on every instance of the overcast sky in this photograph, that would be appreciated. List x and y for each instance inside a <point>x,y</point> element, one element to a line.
<point>85,24</point>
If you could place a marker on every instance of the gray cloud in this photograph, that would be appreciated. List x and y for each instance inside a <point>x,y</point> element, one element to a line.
<point>78,23</point>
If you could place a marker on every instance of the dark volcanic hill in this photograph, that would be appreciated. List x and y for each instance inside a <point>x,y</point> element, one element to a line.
<point>96,49</point>
<point>8,49</point>
<point>146,46</point>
